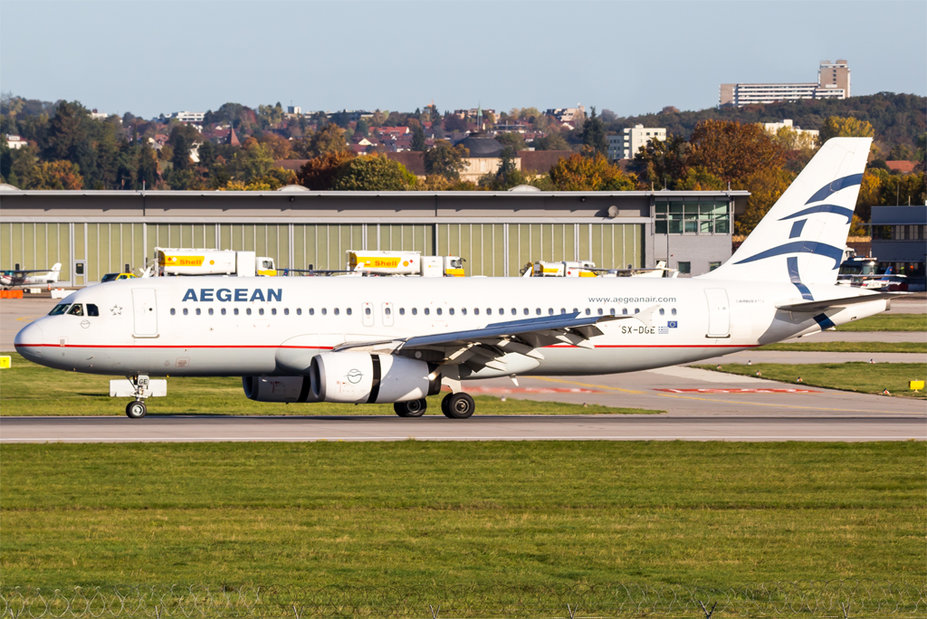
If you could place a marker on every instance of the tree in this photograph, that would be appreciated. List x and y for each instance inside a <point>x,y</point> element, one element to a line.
<point>594,134</point>
<point>732,151</point>
<point>595,173</point>
<point>662,164</point>
<point>552,141</point>
<point>320,172</point>
<point>181,141</point>
<point>373,173</point>
<point>446,160</point>
<point>54,175</point>
<point>514,140</point>
<point>328,139</point>
<point>507,176</point>
<point>418,138</point>
<point>845,127</point>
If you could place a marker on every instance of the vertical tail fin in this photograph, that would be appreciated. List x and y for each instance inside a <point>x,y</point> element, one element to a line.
<point>801,238</point>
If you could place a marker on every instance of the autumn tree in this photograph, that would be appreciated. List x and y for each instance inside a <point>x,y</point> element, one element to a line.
<point>54,175</point>
<point>733,151</point>
<point>662,164</point>
<point>595,173</point>
<point>845,127</point>
<point>373,173</point>
<point>320,172</point>
<point>446,160</point>
<point>328,139</point>
<point>506,176</point>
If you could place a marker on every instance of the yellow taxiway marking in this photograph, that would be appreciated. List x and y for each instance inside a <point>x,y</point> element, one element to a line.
<point>704,399</point>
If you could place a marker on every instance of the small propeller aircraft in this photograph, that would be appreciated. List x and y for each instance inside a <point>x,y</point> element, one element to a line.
<point>22,277</point>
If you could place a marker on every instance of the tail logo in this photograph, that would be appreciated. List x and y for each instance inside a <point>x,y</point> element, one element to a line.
<point>810,247</point>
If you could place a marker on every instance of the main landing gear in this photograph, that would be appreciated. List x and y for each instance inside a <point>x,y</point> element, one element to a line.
<point>137,408</point>
<point>454,405</point>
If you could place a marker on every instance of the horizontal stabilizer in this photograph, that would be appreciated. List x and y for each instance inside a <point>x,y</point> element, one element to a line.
<point>823,304</point>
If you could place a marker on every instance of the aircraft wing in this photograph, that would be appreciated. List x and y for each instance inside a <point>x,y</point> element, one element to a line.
<point>824,304</point>
<point>478,348</point>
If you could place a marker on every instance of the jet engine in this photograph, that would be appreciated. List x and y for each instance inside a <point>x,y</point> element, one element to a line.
<point>277,388</point>
<point>360,377</point>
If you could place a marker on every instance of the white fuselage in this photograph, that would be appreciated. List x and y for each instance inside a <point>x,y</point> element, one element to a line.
<point>236,326</point>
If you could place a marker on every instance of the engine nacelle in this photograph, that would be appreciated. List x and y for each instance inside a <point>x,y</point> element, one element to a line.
<point>277,388</point>
<point>360,377</point>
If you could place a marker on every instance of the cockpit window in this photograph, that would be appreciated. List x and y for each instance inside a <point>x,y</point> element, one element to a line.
<point>61,308</point>
<point>76,310</point>
<point>92,310</point>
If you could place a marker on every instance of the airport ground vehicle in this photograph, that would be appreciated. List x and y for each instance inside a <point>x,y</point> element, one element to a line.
<point>403,263</point>
<point>182,261</point>
<point>112,277</point>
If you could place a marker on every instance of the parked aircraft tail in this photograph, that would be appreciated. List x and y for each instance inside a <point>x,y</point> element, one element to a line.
<point>802,237</point>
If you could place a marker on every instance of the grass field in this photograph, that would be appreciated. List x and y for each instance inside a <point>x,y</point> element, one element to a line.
<point>393,528</point>
<point>888,322</point>
<point>31,389</point>
<point>903,347</point>
<point>849,376</point>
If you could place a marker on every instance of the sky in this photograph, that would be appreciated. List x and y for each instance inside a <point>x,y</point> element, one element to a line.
<point>152,57</point>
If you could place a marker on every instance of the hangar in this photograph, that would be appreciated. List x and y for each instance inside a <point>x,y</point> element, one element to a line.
<point>95,232</point>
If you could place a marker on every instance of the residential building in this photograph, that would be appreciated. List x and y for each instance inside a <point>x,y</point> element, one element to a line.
<point>15,142</point>
<point>833,83</point>
<point>189,117</point>
<point>626,145</point>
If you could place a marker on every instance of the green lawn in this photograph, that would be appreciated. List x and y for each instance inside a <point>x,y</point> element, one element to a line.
<point>30,389</point>
<point>903,347</point>
<point>888,322</point>
<point>477,529</point>
<point>849,376</point>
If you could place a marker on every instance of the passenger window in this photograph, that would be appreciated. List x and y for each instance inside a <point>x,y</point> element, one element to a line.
<point>198,311</point>
<point>92,310</point>
<point>624,311</point>
<point>273,311</point>
<point>414,311</point>
<point>524,311</point>
<point>235,311</point>
<point>222,311</point>
<point>463,310</point>
<point>673,311</point>
<point>312,311</point>
<point>637,310</point>
<point>210,311</point>
<point>185,311</point>
<point>550,311</point>
<point>439,311</point>
<point>514,311</point>
<point>76,310</point>
<point>367,311</point>
<point>450,311</point>
<point>299,311</point>
<point>173,311</point>
<point>600,311</point>
<point>476,311</point>
<point>261,311</point>
<point>337,311</point>
<point>662,311</point>
<point>324,311</point>
<point>286,311</point>
<point>588,311</point>
<point>248,311</point>
<point>402,311</point>
<point>348,311</point>
<point>427,311</point>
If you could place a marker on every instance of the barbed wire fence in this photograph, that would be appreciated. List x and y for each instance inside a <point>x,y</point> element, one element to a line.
<point>838,598</point>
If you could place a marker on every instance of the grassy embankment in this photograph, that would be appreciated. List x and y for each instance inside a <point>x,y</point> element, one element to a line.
<point>472,528</point>
<point>31,389</point>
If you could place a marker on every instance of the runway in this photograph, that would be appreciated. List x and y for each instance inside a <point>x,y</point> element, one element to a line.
<point>433,428</point>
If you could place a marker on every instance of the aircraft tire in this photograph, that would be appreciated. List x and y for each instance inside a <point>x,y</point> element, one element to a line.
<point>457,405</point>
<point>411,408</point>
<point>136,409</point>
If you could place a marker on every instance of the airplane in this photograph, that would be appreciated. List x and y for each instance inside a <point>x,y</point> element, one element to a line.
<point>399,339</point>
<point>21,277</point>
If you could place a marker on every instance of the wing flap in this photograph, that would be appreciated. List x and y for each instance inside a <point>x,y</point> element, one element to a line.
<point>824,304</point>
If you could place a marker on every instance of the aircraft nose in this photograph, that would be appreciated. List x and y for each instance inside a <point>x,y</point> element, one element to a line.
<point>28,342</point>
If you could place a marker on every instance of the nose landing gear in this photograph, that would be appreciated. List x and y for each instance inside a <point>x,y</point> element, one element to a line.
<point>137,408</point>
